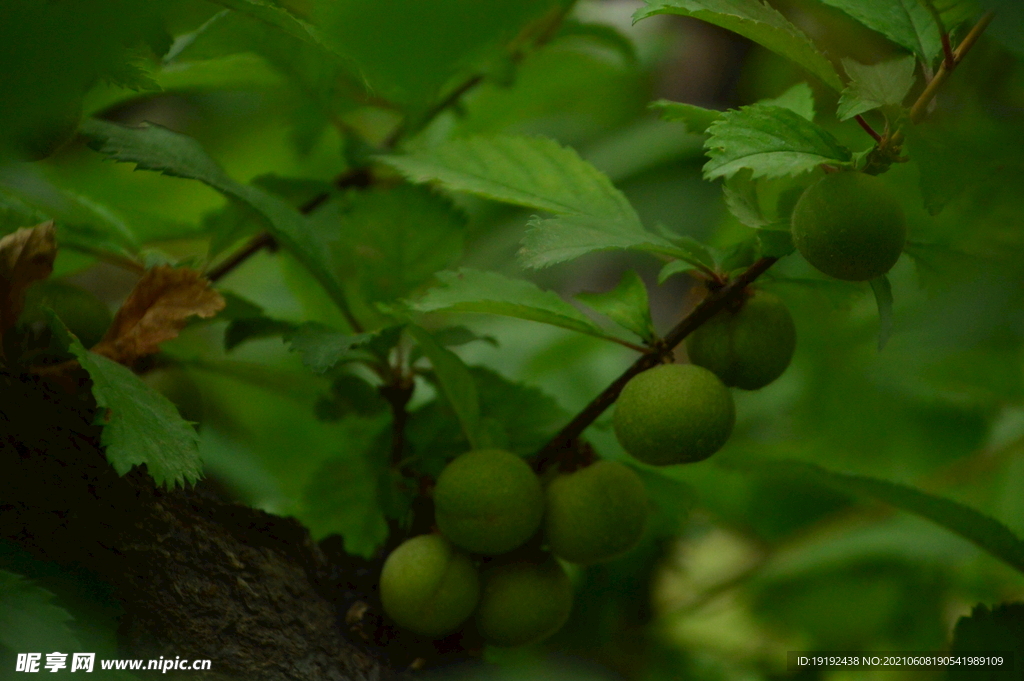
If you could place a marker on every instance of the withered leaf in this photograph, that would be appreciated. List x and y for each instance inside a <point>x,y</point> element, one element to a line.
<point>157,310</point>
<point>26,256</point>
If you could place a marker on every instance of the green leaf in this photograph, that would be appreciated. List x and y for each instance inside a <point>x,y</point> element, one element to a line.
<point>882,289</point>
<point>532,172</point>
<point>1000,629</point>
<point>323,348</point>
<point>456,383</point>
<point>273,14</point>
<point>907,23</point>
<point>468,290</point>
<point>697,119</point>
<point>140,426</point>
<point>740,193</point>
<point>347,494</point>
<point>873,87</point>
<point>602,34</point>
<point>987,533</point>
<point>756,21</point>
<point>554,240</point>
<point>771,141</point>
<point>776,243</point>
<point>157,148</point>
<point>29,622</point>
<point>674,267</point>
<point>626,305</point>
<point>798,99</point>
<point>393,241</point>
<point>246,329</point>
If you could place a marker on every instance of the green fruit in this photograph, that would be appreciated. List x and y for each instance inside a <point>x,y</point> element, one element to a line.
<point>176,385</point>
<point>84,314</point>
<point>674,413</point>
<point>596,513</point>
<point>428,586</point>
<point>488,501</point>
<point>849,226</point>
<point>523,602</point>
<point>747,348</point>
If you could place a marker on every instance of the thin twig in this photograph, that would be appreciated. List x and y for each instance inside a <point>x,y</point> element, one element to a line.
<point>715,301</point>
<point>867,128</point>
<point>920,108</point>
<point>251,248</point>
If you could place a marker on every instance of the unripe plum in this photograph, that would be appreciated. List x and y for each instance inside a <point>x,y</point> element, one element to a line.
<point>429,586</point>
<point>523,602</point>
<point>849,226</point>
<point>747,348</point>
<point>596,513</point>
<point>488,501</point>
<point>674,413</point>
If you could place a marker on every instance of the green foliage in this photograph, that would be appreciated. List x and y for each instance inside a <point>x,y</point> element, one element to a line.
<point>140,426</point>
<point>86,316</point>
<point>908,23</point>
<point>873,87</point>
<point>978,528</point>
<point>674,413</point>
<point>999,629</point>
<point>488,501</point>
<point>456,383</point>
<point>771,141</point>
<point>523,601</point>
<point>596,513</point>
<point>756,21</point>
<point>29,620</point>
<point>697,119</point>
<point>429,586</point>
<point>626,305</point>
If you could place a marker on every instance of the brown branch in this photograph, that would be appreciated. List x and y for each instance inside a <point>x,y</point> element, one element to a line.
<point>715,300</point>
<point>254,246</point>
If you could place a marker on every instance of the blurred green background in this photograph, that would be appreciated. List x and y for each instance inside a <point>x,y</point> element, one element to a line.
<point>740,568</point>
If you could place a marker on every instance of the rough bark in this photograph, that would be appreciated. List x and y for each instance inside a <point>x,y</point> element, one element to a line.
<point>196,576</point>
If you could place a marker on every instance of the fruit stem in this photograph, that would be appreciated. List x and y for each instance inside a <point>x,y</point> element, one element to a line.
<point>561,445</point>
<point>867,128</point>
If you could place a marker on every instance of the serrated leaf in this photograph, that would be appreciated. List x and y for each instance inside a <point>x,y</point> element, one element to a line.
<point>345,495</point>
<point>140,426</point>
<point>156,310</point>
<point>393,241</point>
<point>253,328</point>
<point>29,621</point>
<point>524,417</point>
<point>323,348</point>
<point>275,15</point>
<point>554,240</point>
<point>697,119</point>
<point>159,149</point>
<point>1000,629</point>
<point>468,290</point>
<point>798,99</point>
<point>770,141</point>
<point>532,172</point>
<point>907,23</point>
<point>985,532</point>
<point>457,384</point>
<point>26,256</point>
<point>882,289</point>
<point>626,305</point>
<point>740,193</point>
<point>876,86</point>
<point>756,21</point>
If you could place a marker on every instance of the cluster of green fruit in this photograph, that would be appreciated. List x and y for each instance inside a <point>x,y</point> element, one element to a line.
<point>684,413</point>
<point>848,226</point>
<point>489,505</point>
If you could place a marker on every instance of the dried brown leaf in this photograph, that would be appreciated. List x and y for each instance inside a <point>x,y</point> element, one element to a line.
<point>26,256</point>
<point>157,310</point>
